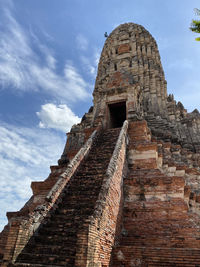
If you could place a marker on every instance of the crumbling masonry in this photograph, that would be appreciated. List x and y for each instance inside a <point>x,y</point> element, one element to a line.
<point>126,191</point>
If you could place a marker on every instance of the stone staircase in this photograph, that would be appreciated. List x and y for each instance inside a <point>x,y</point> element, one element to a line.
<point>162,128</point>
<point>55,242</point>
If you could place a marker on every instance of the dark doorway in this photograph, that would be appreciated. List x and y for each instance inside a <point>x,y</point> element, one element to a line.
<point>117,114</point>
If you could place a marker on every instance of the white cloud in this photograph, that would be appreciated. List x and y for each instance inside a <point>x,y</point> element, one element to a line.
<point>58,117</point>
<point>97,57</point>
<point>91,64</point>
<point>82,42</point>
<point>25,156</point>
<point>22,68</point>
<point>88,65</point>
<point>48,54</point>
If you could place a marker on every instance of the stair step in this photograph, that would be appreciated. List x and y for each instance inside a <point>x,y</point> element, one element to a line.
<point>46,258</point>
<point>158,256</point>
<point>55,242</point>
<point>35,265</point>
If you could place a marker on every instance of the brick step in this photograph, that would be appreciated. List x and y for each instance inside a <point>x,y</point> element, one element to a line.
<point>64,217</point>
<point>82,195</point>
<point>144,173</point>
<point>103,156</point>
<point>80,186</point>
<point>47,259</point>
<point>168,259</point>
<point>92,164</point>
<point>85,180</point>
<point>75,218</point>
<point>176,243</point>
<point>90,173</point>
<point>104,148</point>
<point>73,210</point>
<point>187,251</point>
<point>152,263</point>
<point>66,231</point>
<point>57,240</point>
<point>107,135</point>
<point>156,225</point>
<point>52,249</point>
<point>160,237</point>
<point>166,180</point>
<point>167,256</point>
<point>161,177</point>
<point>81,192</point>
<point>165,264</point>
<point>165,236</point>
<point>164,243</point>
<point>105,144</point>
<point>173,262</point>
<point>104,139</point>
<point>79,183</point>
<point>150,230</point>
<point>70,211</point>
<point>107,152</point>
<point>174,254</point>
<point>133,214</point>
<point>73,204</point>
<point>92,168</point>
<point>142,263</point>
<point>94,157</point>
<point>35,265</point>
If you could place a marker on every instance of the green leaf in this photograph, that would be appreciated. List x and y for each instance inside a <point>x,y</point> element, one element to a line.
<point>195,25</point>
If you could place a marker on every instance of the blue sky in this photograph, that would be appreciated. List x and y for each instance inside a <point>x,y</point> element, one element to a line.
<point>49,52</point>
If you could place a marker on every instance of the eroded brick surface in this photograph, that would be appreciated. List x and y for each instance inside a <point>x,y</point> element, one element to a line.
<point>160,213</point>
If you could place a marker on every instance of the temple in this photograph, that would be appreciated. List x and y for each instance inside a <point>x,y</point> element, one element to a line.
<point>126,190</point>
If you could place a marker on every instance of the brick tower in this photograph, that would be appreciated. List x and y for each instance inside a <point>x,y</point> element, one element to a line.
<point>126,188</point>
